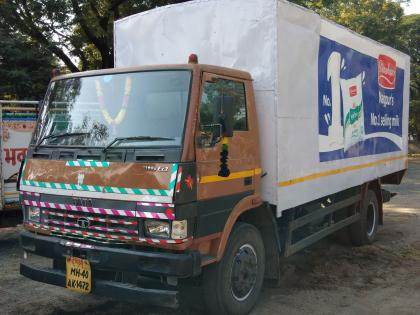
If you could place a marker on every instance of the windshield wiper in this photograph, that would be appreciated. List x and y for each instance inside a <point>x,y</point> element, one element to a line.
<point>138,138</point>
<point>60,135</point>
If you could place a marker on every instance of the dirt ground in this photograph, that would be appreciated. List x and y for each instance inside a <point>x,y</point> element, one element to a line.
<point>327,278</point>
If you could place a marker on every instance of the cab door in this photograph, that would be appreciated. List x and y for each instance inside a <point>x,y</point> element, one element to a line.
<point>226,181</point>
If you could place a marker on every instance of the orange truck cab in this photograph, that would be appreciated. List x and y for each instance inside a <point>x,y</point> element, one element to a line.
<point>142,171</point>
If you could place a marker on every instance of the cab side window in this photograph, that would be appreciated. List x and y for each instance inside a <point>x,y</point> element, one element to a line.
<point>210,108</point>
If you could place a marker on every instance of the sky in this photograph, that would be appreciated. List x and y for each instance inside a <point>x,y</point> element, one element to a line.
<point>414,7</point>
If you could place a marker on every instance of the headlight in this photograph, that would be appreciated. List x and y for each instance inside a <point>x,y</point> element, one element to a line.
<point>34,214</point>
<point>179,230</point>
<point>157,228</point>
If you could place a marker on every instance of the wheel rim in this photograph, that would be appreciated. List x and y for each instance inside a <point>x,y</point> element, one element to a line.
<point>371,218</point>
<point>244,272</point>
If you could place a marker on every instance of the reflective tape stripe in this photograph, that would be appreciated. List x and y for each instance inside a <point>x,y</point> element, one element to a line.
<point>234,175</point>
<point>114,212</point>
<point>28,193</point>
<point>172,181</point>
<point>108,236</point>
<point>108,189</point>
<point>87,163</point>
<point>167,215</point>
<point>155,204</point>
<point>178,180</point>
<point>338,171</point>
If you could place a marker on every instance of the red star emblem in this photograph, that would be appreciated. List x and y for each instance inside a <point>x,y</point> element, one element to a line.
<point>189,182</point>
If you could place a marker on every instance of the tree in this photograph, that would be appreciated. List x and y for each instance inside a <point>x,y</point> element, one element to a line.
<point>25,67</point>
<point>314,4</point>
<point>411,40</point>
<point>73,28</point>
<point>377,19</point>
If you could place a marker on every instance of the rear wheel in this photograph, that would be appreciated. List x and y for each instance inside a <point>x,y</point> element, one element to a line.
<point>233,285</point>
<point>364,231</point>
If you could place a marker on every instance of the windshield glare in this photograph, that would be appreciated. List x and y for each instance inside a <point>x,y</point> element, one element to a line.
<point>151,104</point>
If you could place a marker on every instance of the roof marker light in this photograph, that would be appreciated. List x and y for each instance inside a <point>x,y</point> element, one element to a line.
<point>193,58</point>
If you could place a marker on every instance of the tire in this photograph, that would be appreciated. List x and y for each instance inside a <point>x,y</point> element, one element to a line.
<point>232,286</point>
<point>364,231</point>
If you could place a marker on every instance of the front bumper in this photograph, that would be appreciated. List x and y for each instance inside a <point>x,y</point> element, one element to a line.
<point>179,265</point>
<point>116,290</point>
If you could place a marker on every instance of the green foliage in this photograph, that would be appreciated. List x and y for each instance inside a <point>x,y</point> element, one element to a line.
<point>73,28</point>
<point>378,19</point>
<point>411,39</point>
<point>314,4</point>
<point>25,67</point>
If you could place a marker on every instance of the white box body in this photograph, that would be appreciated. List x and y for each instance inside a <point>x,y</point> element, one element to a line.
<point>332,105</point>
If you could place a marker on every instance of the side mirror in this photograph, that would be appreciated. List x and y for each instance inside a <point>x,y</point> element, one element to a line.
<point>226,114</point>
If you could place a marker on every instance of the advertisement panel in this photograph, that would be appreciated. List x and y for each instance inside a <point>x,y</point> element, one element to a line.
<point>18,124</point>
<point>360,100</point>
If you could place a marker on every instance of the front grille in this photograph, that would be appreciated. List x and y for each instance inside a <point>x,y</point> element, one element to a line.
<point>104,227</point>
<point>111,226</point>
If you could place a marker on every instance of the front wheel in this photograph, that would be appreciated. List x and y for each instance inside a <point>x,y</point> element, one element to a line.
<point>232,286</point>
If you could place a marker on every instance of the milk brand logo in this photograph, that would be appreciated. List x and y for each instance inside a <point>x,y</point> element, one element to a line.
<point>387,69</point>
<point>360,103</point>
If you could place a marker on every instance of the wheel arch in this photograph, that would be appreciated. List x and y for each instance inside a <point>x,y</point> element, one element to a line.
<point>260,215</point>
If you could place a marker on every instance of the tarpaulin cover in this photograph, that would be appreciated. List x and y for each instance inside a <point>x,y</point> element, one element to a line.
<point>332,105</point>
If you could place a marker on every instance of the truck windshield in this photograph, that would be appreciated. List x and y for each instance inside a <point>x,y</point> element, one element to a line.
<point>148,107</point>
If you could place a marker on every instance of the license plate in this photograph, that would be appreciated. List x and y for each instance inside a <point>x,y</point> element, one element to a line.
<point>78,275</point>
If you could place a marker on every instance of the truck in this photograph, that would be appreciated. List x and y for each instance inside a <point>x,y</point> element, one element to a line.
<point>160,175</point>
<point>17,122</point>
